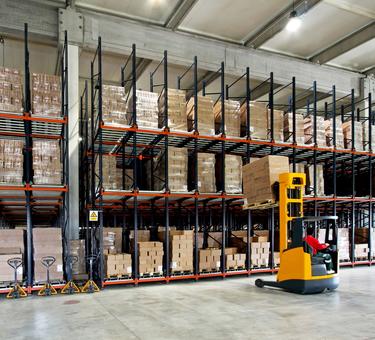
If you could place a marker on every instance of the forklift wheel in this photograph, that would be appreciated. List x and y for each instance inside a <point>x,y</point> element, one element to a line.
<point>259,283</point>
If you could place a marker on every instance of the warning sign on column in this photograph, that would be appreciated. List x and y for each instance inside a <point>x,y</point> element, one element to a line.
<point>93,217</point>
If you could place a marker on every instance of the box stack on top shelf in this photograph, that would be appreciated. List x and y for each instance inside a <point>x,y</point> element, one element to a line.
<point>46,95</point>
<point>147,109</point>
<point>11,246</point>
<point>366,136</point>
<point>232,116</point>
<point>176,110</point>
<point>206,118</point>
<point>177,169</point>
<point>114,105</point>
<point>320,131</point>
<point>288,128</point>
<point>48,242</point>
<point>358,135</point>
<point>339,133</point>
<point>10,90</point>
<point>11,161</point>
<point>47,162</point>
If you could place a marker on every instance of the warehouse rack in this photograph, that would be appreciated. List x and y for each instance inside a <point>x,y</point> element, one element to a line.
<point>30,204</point>
<point>138,206</point>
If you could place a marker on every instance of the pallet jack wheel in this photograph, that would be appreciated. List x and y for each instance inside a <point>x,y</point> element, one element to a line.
<point>259,283</point>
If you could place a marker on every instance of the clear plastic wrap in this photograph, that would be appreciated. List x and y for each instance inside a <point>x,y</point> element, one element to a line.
<point>358,135</point>
<point>206,172</point>
<point>176,110</point>
<point>233,174</point>
<point>320,131</point>
<point>114,105</point>
<point>232,117</point>
<point>288,128</point>
<point>47,162</point>
<point>206,119</point>
<point>10,90</point>
<point>11,161</point>
<point>147,109</point>
<point>339,133</point>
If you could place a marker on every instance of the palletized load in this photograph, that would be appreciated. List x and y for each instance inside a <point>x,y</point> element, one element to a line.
<point>150,257</point>
<point>117,265</point>
<point>361,251</point>
<point>114,105</point>
<point>77,248</point>
<point>288,128</point>
<point>321,139</point>
<point>147,109</point>
<point>343,244</point>
<point>206,118</point>
<point>206,172</point>
<point>234,260</point>
<point>339,133</point>
<point>112,241</point>
<point>177,170</point>
<point>11,161</point>
<point>358,135</point>
<point>10,90</point>
<point>233,174</point>
<point>46,95</point>
<point>209,259</point>
<point>260,121</point>
<point>11,246</point>
<point>259,178</point>
<point>47,242</point>
<point>47,162</point>
<point>366,136</point>
<point>319,179</point>
<point>232,117</point>
<point>177,119</point>
<point>260,251</point>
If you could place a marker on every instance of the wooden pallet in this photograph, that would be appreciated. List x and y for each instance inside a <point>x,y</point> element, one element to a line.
<point>152,274</point>
<point>119,277</point>
<point>260,205</point>
<point>181,272</point>
<point>261,267</point>
<point>210,271</point>
<point>236,268</point>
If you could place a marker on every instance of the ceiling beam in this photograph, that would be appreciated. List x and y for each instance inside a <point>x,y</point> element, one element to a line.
<point>351,7</point>
<point>370,71</point>
<point>359,37</point>
<point>277,23</point>
<point>179,13</point>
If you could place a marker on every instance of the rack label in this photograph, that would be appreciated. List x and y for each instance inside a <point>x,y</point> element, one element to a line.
<point>93,216</point>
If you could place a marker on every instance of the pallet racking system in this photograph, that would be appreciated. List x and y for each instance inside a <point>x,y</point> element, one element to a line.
<point>28,204</point>
<point>133,145</point>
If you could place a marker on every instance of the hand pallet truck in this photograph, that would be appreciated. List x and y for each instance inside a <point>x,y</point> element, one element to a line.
<point>71,287</point>
<point>90,286</point>
<point>48,289</point>
<point>17,291</point>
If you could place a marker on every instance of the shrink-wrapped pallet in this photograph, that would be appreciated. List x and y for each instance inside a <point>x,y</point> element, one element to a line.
<point>150,257</point>
<point>47,162</point>
<point>46,95</point>
<point>343,244</point>
<point>10,90</point>
<point>233,174</point>
<point>206,119</point>
<point>232,117</point>
<point>358,135</point>
<point>11,161</point>
<point>114,105</point>
<point>112,175</point>
<point>339,133</point>
<point>321,140</point>
<point>177,119</point>
<point>288,128</point>
<point>177,169</point>
<point>206,173</point>
<point>147,109</point>
<point>319,179</point>
<point>366,138</point>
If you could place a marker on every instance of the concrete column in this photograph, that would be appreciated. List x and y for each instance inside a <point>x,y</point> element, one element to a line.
<point>73,131</point>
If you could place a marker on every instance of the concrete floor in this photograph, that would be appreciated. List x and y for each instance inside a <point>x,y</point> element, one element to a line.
<point>229,309</point>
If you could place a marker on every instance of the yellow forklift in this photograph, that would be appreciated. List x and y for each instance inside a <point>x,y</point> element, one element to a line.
<point>300,271</point>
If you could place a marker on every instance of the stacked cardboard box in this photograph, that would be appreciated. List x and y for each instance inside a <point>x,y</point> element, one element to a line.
<point>10,90</point>
<point>278,125</point>
<point>181,250</point>
<point>358,135</point>
<point>112,241</point>
<point>361,251</point>
<point>206,172</point>
<point>260,176</point>
<point>343,244</point>
<point>232,117</point>
<point>143,236</point>
<point>260,251</point>
<point>177,169</point>
<point>209,259</point>
<point>147,109</point>
<point>233,173</point>
<point>206,118</point>
<point>176,110</point>
<point>339,133</point>
<point>319,179</point>
<point>47,162</point>
<point>320,131</point>
<point>47,242</point>
<point>46,95</point>
<point>11,161</point>
<point>234,260</point>
<point>11,246</point>
<point>366,139</point>
<point>150,257</point>
<point>117,265</point>
<point>288,128</point>
<point>276,259</point>
<point>77,248</point>
<point>114,105</point>
<point>361,235</point>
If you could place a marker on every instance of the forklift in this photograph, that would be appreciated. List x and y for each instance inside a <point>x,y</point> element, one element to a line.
<point>300,271</point>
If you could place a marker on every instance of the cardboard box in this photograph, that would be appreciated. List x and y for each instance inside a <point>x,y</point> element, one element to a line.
<point>233,173</point>
<point>11,161</point>
<point>177,119</point>
<point>366,136</point>
<point>206,173</point>
<point>147,109</point>
<point>321,140</point>
<point>150,257</point>
<point>358,135</point>
<point>288,128</point>
<point>260,176</point>
<point>77,248</point>
<point>118,265</point>
<point>339,133</point>
<point>206,118</point>
<point>114,105</point>
<point>11,95</point>
<point>232,116</point>
<point>6,271</point>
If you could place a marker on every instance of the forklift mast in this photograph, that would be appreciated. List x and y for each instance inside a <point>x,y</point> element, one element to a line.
<point>291,189</point>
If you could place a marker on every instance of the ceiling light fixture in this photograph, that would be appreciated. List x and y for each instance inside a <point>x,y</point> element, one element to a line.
<point>294,22</point>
